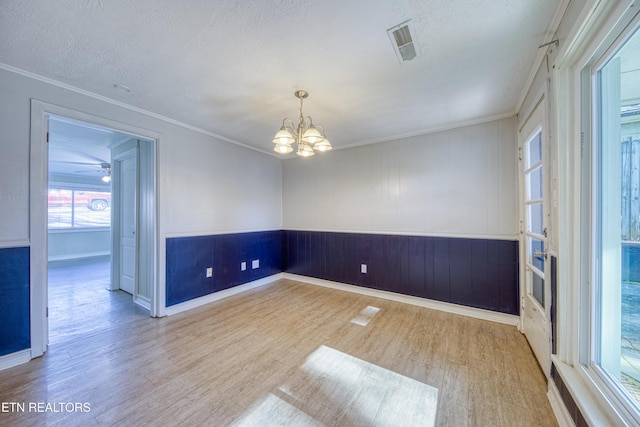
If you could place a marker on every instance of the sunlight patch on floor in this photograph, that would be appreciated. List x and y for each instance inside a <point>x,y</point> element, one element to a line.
<point>379,396</point>
<point>365,316</point>
<point>271,410</point>
<point>333,387</point>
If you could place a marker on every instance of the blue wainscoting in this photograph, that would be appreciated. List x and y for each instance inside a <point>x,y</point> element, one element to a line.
<point>15,333</point>
<point>480,273</point>
<point>189,257</point>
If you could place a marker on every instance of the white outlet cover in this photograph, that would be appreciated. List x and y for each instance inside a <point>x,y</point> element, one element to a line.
<point>363,268</point>
<point>209,271</point>
<point>243,266</point>
<point>255,264</point>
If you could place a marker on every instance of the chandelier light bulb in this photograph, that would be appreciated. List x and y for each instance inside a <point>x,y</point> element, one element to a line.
<point>305,153</point>
<point>283,137</point>
<point>283,149</point>
<point>323,145</point>
<point>311,135</point>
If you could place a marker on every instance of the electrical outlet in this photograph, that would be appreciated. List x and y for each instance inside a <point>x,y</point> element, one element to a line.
<point>243,266</point>
<point>255,264</point>
<point>209,271</point>
<point>363,268</point>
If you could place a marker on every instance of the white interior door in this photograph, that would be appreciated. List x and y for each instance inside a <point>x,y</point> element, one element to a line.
<point>128,223</point>
<point>536,295</point>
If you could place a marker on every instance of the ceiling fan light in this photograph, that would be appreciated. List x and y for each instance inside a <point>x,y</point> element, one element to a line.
<point>106,167</point>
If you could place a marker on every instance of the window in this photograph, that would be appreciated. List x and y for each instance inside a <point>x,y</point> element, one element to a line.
<point>614,353</point>
<point>73,208</point>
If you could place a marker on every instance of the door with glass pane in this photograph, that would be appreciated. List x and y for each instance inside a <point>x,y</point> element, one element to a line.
<point>535,319</point>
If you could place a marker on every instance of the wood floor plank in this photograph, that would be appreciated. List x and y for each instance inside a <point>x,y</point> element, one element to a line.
<point>286,354</point>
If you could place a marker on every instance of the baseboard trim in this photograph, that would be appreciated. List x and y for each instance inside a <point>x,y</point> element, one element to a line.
<point>557,405</point>
<point>80,256</point>
<point>477,313</point>
<point>143,302</point>
<point>14,359</point>
<point>217,296</point>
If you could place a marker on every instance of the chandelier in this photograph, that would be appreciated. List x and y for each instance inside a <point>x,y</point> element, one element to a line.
<point>306,135</point>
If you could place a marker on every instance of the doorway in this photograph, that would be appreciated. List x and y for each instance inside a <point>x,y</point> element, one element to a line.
<point>80,213</point>
<point>94,206</point>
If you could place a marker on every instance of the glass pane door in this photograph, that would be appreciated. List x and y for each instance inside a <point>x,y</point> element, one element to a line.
<point>534,218</point>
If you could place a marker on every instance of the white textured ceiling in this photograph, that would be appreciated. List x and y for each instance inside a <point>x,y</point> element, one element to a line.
<point>231,67</point>
<point>77,149</point>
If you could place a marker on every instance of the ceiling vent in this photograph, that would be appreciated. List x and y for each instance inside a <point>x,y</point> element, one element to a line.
<point>403,41</point>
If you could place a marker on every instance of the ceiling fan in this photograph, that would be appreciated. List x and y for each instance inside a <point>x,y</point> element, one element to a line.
<point>101,168</point>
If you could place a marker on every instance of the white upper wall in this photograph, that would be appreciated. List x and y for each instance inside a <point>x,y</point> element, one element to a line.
<point>205,186</point>
<point>218,187</point>
<point>459,182</point>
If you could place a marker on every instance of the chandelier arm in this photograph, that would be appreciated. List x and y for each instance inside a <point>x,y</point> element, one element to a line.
<point>310,120</point>
<point>284,123</point>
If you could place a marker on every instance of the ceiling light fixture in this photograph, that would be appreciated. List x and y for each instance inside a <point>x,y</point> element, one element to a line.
<point>306,135</point>
<point>106,168</point>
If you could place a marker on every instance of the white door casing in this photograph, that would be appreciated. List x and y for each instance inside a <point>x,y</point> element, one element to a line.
<point>38,187</point>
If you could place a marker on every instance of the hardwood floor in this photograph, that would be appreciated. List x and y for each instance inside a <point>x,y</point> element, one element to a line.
<point>80,304</point>
<point>287,354</point>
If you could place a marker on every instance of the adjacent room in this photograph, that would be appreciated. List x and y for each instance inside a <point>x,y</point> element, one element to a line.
<point>384,213</point>
<point>82,297</point>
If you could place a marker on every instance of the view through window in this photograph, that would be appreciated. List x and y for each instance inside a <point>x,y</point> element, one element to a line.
<point>617,334</point>
<point>72,208</point>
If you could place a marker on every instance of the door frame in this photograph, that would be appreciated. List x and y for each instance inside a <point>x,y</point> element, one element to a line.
<point>532,318</point>
<point>38,226</point>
